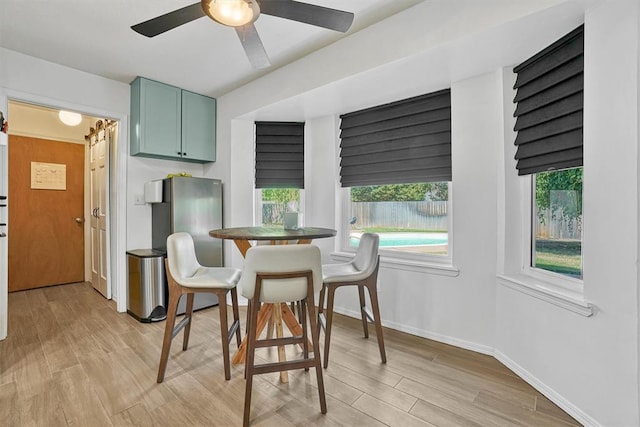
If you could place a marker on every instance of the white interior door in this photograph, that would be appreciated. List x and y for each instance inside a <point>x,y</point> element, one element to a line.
<point>99,181</point>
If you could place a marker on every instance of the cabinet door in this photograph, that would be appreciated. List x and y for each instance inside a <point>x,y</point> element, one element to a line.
<point>160,121</point>
<point>198,127</point>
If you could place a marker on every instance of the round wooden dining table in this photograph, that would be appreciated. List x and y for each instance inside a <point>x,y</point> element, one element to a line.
<point>242,237</point>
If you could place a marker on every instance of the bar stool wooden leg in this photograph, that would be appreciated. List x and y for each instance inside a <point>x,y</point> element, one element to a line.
<point>248,326</point>
<point>321,306</point>
<point>363,311</point>
<point>315,339</point>
<point>329,319</point>
<point>375,308</point>
<point>236,313</point>
<point>224,332</point>
<point>250,357</point>
<point>305,335</point>
<point>188,314</point>
<point>174,297</point>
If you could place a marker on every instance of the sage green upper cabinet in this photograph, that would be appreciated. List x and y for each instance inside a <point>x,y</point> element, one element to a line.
<point>170,123</point>
<point>198,127</point>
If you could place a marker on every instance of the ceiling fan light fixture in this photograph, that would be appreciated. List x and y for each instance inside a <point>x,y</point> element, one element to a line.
<point>233,13</point>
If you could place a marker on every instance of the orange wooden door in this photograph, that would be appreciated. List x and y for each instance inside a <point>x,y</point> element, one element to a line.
<point>46,226</point>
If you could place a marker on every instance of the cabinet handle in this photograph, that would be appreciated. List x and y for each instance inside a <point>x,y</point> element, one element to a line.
<point>184,154</point>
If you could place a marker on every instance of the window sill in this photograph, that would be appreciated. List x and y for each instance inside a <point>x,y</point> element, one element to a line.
<point>405,264</point>
<point>572,301</point>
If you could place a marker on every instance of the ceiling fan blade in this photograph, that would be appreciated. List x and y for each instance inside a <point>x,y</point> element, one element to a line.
<point>169,21</point>
<point>320,16</point>
<point>253,46</point>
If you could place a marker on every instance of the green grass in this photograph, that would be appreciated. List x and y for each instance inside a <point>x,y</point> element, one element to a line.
<point>563,257</point>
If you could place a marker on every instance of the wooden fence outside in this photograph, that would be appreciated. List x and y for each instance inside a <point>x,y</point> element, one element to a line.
<point>558,227</point>
<point>273,213</point>
<point>413,215</point>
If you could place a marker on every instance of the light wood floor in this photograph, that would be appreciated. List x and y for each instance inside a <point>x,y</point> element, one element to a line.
<point>71,359</point>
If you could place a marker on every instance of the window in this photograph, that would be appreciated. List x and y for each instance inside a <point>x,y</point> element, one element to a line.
<point>557,222</point>
<point>279,171</point>
<point>542,248</point>
<point>409,218</point>
<point>395,159</point>
<point>549,125</point>
<point>274,202</point>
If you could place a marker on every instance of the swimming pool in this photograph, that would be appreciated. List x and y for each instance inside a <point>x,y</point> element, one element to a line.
<point>407,239</point>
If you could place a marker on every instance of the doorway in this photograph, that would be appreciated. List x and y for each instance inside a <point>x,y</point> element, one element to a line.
<point>52,202</point>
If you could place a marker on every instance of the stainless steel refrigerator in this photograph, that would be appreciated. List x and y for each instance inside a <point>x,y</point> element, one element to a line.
<point>193,205</point>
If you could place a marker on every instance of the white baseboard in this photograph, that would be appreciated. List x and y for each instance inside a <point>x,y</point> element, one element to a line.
<point>467,345</point>
<point>548,392</point>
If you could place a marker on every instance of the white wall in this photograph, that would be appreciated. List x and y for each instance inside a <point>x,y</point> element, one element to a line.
<point>40,82</point>
<point>592,362</point>
<point>320,174</point>
<point>141,170</point>
<point>588,365</point>
<point>457,310</point>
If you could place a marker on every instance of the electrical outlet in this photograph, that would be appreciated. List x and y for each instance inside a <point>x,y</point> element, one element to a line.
<point>139,199</point>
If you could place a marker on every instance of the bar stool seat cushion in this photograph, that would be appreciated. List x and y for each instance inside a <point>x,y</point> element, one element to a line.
<point>335,273</point>
<point>214,277</point>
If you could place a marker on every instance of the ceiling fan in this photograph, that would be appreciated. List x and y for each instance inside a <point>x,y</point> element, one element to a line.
<point>241,14</point>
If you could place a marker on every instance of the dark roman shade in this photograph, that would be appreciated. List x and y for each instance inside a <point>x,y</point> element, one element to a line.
<point>279,155</point>
<point>402,142</point>
<point>549,102</point>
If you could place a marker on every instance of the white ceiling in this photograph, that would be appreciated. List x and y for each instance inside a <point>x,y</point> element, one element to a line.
<point>201,56</point>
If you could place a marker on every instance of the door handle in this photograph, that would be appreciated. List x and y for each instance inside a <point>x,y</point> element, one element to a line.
<point>3,234</point>
<point>79,220</point>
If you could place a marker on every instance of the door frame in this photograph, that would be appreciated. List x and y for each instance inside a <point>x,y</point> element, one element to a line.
<point>117,214</point>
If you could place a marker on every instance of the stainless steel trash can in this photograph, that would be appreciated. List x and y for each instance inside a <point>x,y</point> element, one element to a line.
<point>147,285</point>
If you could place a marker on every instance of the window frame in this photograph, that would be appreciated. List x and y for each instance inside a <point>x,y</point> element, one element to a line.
<point>399,256</point>
<point>563,292</point>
